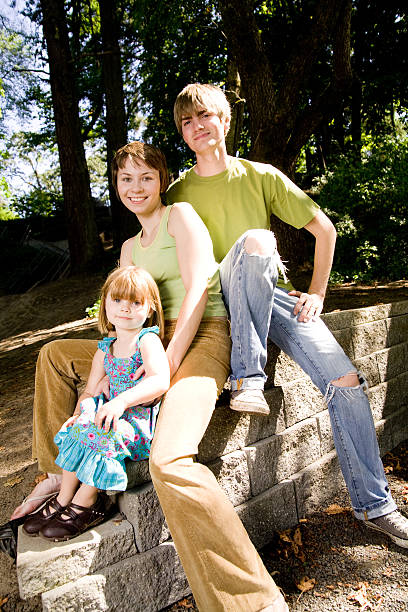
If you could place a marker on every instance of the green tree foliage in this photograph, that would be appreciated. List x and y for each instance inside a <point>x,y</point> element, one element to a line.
<point>380,62</point>
<point>367,200</point>
<point>181,43</point>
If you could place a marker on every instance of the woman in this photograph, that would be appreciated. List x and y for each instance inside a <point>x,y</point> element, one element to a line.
<point>221,564</point>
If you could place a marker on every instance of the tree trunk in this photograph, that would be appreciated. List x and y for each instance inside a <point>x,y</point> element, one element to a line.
<point>124,222</point>
<point>356,101</point>
<point>233,93</point>
<point>84,244</point>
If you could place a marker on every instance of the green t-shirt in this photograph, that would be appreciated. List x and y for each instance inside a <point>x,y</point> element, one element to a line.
<point>240,198</point>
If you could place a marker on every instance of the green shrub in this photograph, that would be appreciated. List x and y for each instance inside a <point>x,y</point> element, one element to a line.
<point>367,200</point>
<point>93,311</point>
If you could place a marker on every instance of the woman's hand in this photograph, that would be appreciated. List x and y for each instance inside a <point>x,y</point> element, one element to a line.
<point>103,387</point>
<point>110,413</point>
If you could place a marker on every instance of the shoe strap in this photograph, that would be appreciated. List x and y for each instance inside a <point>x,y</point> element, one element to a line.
<point>52,504</point>
<point>75,511</point>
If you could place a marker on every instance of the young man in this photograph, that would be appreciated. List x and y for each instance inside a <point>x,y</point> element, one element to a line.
<point>235,198</point>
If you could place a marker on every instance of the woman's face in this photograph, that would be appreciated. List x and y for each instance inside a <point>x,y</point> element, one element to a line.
<point>139,188</point>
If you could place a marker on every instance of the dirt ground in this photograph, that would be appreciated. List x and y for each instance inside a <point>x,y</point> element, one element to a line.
<point>57,310</point>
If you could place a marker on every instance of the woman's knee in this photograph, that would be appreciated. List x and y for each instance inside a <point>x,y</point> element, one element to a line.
<point>260,242</point>
<point>50,352</point>
<point>167,468</point>
<point>157,466</point>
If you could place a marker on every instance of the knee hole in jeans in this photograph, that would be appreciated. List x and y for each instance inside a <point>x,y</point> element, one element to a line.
<point>348,380</point>
<point>260,242</point>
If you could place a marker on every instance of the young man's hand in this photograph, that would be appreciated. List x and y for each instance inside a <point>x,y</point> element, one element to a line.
<point>309,305</point>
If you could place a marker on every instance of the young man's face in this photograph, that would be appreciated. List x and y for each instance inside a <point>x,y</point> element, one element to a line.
<point>203,131</point>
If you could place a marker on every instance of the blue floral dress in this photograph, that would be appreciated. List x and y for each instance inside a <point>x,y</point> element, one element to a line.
<point>97,457</point>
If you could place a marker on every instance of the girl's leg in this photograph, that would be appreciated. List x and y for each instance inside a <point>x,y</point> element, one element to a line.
<point>223,568</point>
<point>69,486</point>
<point>85,496</point>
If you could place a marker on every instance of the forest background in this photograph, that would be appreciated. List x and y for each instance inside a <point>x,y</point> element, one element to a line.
<point>317,88</point>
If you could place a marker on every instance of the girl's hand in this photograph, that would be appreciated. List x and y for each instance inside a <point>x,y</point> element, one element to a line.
<point>109,414</point>
<point>69,422</point>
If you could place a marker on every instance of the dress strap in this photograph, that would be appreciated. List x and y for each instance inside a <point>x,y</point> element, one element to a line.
<point>147,330</point>
<point>105,344</point>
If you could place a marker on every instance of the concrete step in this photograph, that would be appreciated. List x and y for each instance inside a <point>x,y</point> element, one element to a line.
<point>146,582</point>
<point>43,565</point>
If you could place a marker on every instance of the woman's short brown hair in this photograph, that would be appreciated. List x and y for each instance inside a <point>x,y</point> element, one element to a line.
<point>141,152</point>
<point>136,285</point>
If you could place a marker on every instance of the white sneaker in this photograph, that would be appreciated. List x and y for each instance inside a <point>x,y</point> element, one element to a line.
<point>249,400</point>
<point>394,525</point>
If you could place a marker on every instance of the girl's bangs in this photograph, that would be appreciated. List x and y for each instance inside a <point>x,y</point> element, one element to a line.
<point>123,288</point>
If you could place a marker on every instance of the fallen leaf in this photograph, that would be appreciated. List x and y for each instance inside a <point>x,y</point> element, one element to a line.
<point>40,478</point>
<point>184,603</point>
<point>2,448</point>
<point>297,537</point>
<point>284,535</point>
<point>336,509</point>
<point>360,597</point>
<point>13,481</point>
<point>388,571</point>
<point>306,584</point>
<point>3,601</point>
<point>330,586</point>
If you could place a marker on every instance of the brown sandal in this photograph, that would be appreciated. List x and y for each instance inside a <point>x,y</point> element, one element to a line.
<point>80,519</point>
<point>45,513</point>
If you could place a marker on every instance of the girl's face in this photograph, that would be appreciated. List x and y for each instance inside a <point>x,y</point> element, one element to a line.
<point>126,315</point>
<point>139,188</point>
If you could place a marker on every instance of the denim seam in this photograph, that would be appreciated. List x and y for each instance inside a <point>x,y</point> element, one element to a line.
<point>238,323</point>
<point>274,277</point>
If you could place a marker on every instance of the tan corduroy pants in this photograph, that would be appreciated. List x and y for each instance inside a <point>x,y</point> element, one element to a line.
<point>224,570</point>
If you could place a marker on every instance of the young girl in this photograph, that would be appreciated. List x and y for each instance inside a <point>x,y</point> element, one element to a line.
<point>94,442</point>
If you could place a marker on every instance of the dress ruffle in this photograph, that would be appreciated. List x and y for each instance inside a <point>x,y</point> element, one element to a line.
<point>90,467</point>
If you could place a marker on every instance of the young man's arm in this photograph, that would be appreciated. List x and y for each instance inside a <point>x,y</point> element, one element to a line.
<point>311,303</point>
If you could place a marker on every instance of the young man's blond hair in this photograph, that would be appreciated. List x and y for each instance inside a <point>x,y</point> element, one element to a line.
<point>197,97</point>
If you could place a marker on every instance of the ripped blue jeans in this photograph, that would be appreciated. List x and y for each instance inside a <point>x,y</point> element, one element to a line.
<point>258,310</point>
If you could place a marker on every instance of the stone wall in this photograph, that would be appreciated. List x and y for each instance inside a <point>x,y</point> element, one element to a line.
<point>274,469</point>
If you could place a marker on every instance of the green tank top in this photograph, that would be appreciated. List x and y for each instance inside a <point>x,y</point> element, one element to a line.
<point>160,259</point>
